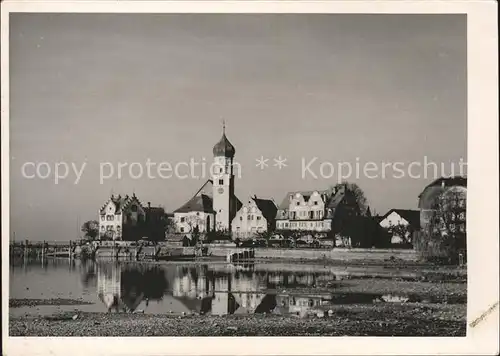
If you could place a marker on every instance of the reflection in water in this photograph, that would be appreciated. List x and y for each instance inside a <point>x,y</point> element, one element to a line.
<point>215,289</point>
<point>205,288</point>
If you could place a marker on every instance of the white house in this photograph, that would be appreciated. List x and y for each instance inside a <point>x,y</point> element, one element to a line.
<point>256,216</point>
<point>315,211</point>
<point>121,218</point>
<point>197,212</point>
<point>407,220</point>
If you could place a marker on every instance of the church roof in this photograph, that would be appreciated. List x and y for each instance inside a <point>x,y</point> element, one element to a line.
<point>224,148</point>
<point>202,201</point>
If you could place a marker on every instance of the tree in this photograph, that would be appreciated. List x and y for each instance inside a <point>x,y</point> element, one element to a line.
<point>264,235</point>
<point>358,193</point>
<point>444,237</point>
<point>404,231</point>
<point>195,235</point>
<point>90,229</point>
<point>169,225</point>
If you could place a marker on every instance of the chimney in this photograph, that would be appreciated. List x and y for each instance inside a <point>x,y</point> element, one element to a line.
<point>149,204</point>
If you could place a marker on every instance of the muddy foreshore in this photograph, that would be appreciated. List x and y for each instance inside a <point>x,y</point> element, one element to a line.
<point>354,320</point>
<point>18,303</point>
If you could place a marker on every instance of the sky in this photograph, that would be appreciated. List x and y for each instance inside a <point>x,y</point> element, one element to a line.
<point>317,89</point>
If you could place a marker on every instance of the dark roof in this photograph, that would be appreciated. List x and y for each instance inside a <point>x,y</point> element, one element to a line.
<point>412,216</point>
<point>331,198</point>
<point>155,213</point>
<point>285,203</point>
<point>121,202</point>
<point>224,147</point>
<point>434,189</point>
<point>202,201</point>
<point>448,182</point>
<point>267,207</point>
<point>336,198</point>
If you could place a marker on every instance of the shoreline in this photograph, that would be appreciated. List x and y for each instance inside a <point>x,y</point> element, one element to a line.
<point>28,302</point>
<point>353,320</point>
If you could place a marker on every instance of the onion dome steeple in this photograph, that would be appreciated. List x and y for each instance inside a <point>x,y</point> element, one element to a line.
<point>224,148</point>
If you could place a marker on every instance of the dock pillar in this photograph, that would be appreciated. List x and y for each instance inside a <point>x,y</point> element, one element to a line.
<point>25,255</point>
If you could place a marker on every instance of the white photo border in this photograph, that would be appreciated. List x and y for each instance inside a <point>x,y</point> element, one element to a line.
<point>483,192</point>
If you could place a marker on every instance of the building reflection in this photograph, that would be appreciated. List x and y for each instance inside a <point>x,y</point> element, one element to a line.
<point>216,289</point>
<point>123,288</point>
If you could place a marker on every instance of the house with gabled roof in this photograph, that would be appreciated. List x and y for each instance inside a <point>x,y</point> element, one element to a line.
<point>401,224</point>
<point>197,212</point>
<point>255,217</point>
<point>319,211</point>
<point>121,218</point>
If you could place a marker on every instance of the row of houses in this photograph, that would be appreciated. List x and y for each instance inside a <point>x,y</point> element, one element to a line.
<point>215,208</point>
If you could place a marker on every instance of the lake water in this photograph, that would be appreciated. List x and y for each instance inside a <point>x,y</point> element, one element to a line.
<point>216,288</point>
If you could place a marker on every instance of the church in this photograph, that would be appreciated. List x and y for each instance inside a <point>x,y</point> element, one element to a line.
<point>214,206</point>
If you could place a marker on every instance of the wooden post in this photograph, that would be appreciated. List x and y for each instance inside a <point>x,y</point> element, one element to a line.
<point>70,254</point>
<point>26,250</point>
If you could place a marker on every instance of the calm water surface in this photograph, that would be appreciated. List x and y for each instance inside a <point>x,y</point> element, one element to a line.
<point>216,288</point>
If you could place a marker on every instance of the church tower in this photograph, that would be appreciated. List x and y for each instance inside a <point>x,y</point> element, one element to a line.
<point>223,183</point>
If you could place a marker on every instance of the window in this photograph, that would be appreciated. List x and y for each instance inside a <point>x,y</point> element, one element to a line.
<point>258,217</point>
<point>248,217</point>
<point>221,181</point>
<point>102,217</point>
<point>110,217</point>
<point>298,203</point>
<point>316,202</point>
<point>102,227</point>
<point>183,219</point>
<point>133,208</point>
<point>182,229</point>
<point>241,218</point>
